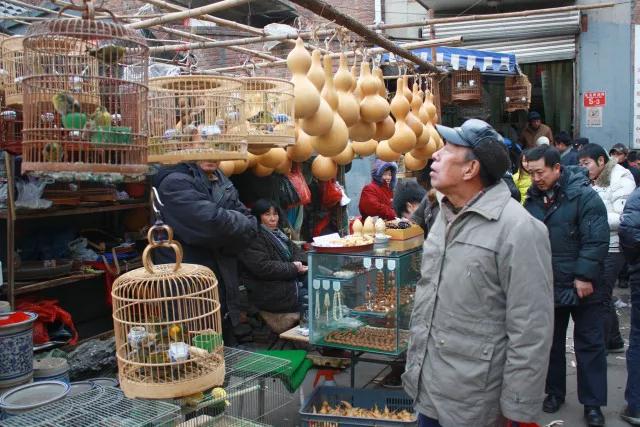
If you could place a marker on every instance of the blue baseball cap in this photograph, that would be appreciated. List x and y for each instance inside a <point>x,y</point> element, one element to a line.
<point>470,134</point>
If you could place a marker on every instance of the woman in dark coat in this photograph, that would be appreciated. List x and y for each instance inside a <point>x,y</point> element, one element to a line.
<point>272,264</point>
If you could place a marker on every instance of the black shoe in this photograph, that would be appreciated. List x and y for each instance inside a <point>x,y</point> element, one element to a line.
<point>632,417</point>
<point>618,348</point>
<point>552,404</point>
<point>593,416</point>
<point>623,284</point>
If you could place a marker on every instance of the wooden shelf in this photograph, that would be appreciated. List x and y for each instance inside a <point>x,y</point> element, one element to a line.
<point>47,213</point>
<point>53,283</point>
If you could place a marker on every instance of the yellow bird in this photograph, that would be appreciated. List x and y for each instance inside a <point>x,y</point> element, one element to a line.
<point>65,103</point>
<point>101,117</point>
<point>109,54</point>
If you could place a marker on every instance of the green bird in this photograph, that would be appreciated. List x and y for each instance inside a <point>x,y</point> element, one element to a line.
<point>52,152</point>
<point>65,103</point>
<point>109,54</point>
<point>101,117</point>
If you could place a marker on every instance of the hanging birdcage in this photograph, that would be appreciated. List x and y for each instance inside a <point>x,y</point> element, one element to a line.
<point>167,326</point>
<point>269,112</point>
<point>85,98</point>
<point>466,86</point>
<point>196,118</point>
<point>444,90</point>
<point>11,130</point>
<point>11,62</point>
<point>517,93</point>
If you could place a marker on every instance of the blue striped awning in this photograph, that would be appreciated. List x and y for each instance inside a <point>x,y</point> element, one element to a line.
<point>457,59</point>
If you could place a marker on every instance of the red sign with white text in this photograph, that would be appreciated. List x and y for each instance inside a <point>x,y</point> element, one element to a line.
<point>595,99</point>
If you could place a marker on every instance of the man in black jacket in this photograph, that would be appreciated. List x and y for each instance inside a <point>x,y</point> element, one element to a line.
<point>629,233</point>
<point>208,219</point>
<point>576,218</point>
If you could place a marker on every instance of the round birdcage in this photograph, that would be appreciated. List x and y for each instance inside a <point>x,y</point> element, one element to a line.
<point>85,98</point>
<point>269,112</point>
<point>195,118</point>
<point>11,130</point>
<point>517,93</point>
<point>466,86</point>
<point>167,326</point>
<point>11,62</point>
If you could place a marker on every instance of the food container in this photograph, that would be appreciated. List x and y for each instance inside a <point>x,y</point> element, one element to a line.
<point>405,233</point>
<point>51,369</point>
<point>16,348</point>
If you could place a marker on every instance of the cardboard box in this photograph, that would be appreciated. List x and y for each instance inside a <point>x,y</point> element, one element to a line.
<point>406,233</point>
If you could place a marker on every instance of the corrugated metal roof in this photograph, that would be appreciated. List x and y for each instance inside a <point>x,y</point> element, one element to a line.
<point>12,10</point>
<point>531,50</point>
<point>551,24</point>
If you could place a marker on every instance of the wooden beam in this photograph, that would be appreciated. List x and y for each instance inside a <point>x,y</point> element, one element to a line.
<point>325,10</point>
<point>189,13</point>
<point>38,8</point>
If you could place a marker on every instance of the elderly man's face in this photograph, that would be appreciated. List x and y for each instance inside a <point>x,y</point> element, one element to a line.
<point>209,167</point>
<point>450,164</point>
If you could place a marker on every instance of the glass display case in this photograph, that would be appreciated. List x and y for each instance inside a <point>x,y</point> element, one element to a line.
<point>362,301</point>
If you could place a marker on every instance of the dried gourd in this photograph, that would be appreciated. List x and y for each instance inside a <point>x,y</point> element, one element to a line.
<point>273,157</point>
<point>227,167</point>
<point>345,157</point>
<point>385,129</point>
<point>240,166</point>
<point>404,138</point>
<point>324,168</point>
<point>316,72</point>
<point>306,96</point>
<point>406,89</point>
<point>302,150</point>
<point>320,123</point>
<point>252,160</point>
<point>348,106</point>
<point>261,171</point>
<point>364,148</point>
<point>362,131</point>
<point>373,107</point>
<point>413,163</point>
<point>284,167</point>
<point>425,153</point>
<point>384,152</point>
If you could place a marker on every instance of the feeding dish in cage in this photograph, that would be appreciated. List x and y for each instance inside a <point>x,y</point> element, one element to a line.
<point>167,326</point>
<point>85,98</point>
<point>269,111</point>
<point>195,118</point>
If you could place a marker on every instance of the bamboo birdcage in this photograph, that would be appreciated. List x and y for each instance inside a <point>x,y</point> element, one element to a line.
<point>12,64</point>
<point>85,98</point>
<point>517,93</point>
<point>269,112</point>
<point>195,118</point>
<point>167,326</point>
<point>444,90</point>
<point>466,86</point>
<point>11,130</point>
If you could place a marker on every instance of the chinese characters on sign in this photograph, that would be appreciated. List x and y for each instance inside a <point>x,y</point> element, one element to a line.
<point>594,103</point>
<point>636,89</point>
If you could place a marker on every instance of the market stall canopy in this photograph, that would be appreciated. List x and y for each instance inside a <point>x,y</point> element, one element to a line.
<point>460,59</point>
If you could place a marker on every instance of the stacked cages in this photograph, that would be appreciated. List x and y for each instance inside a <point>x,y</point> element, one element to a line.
<point>11,63</point>
<point>85,98</point>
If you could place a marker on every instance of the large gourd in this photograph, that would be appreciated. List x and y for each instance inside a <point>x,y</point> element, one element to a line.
<point>425,153</point>
<point>373,107</point>
<point>335,140</point>
<point>403,139</point>
<point>348,106</point>
<point>272,158</point>
<point>302,150</point>
<point>321,122</point>
<point>306,97</point>
<point>345,157</point>
<point>413,163</point>
<point>406,89</point>
<point>227,167</point>
<point>416,105</point>
<point>364,148</point>
<point>412,118</point>
<point>240,166</point>
<point>284,167</point>
<point>324,168</point>
<point>384,152</point>
<point>384,128</point>
<point>360,131</point>
<point>262,171</point>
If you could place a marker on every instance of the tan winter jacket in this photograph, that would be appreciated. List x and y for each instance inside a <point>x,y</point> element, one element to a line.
<point>482,322</point>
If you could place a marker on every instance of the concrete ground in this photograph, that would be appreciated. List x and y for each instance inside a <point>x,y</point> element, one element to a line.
<point>368,374</point>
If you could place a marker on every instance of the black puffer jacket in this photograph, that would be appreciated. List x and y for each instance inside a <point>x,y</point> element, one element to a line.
<point>578,232</point>
<point>270,279</point>
<point>209,221</point>
<point>629,230</point>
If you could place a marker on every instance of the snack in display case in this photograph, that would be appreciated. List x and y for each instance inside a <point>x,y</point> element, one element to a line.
<point>363,301</point>
<point>402,229</point>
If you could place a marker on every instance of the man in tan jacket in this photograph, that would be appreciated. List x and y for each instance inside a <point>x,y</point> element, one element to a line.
<point>533,131</point>
<point>482,322</point>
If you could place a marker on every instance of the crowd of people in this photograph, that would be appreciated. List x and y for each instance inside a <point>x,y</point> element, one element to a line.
<point>490,315</point>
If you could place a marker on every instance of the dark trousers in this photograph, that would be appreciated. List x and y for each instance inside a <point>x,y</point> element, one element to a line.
<point>613,264</point>
<point>424,421</point>
<point>590,354</point>
<point>632,393</point>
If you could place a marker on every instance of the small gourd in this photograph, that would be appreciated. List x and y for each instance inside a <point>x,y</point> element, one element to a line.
<point>306,97</point>
<point>356,227</point>
<point>385,129</point>
<point>272,158</point>
<point>384,152</point>
<point>406,89</point>
<point>258,151</point>
<point>348,106</point>
<point>362,131</point>
<point>323,168</point>
<point>345,157</point>
<point>382,89</point>
<point>262,171</point>
<point>320,123</point>
<point>335,140</point>
<point>413,163</point>
<point>302,149</point>
<point>369,228</point>
<point>356,82</point>
<point>316,72</point>
<point>364,148</point>
<point>412,119</point>
<point>284,167</point>
<point>404,138</point>
<point>373,107</point>
<point>252,160</point>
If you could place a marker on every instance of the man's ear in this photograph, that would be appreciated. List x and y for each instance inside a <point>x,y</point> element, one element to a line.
<point>471,170</point>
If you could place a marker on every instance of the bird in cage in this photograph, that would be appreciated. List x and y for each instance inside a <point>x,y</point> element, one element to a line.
<point>64,103</point>
<point>109,54</point>
<point>101,117</point>
<point>52,152</point>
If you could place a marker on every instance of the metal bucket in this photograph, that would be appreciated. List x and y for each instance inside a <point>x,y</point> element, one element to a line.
<point>16,350</point>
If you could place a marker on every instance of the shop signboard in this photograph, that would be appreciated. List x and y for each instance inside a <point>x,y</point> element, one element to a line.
<point>593,102</point>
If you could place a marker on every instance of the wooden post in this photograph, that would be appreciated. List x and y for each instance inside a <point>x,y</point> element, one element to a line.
<point>11,217</point>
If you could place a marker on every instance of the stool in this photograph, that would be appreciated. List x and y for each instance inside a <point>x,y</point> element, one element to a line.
<point>327,374</point>
<point>279,323</point>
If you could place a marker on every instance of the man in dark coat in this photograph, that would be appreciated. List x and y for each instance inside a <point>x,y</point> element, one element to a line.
<point>629,233</point>
<point>576,219</point>
<point>208,219</point>
<point>569,156</point>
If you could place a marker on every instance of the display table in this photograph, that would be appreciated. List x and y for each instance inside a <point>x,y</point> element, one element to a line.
<point>361,302</point>
<point>293,335</point>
